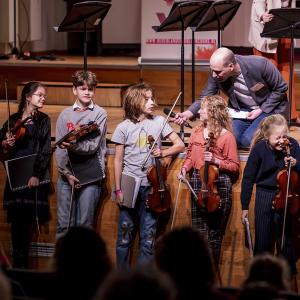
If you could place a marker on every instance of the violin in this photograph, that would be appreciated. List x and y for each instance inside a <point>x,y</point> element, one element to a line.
<point>18,131</point>
<point>159,198</point>
<point>288,183</point>
<point>209,196</point>
<point>79,133</point>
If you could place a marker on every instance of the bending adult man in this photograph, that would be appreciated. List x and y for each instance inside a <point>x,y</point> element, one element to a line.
<point>252,83</point>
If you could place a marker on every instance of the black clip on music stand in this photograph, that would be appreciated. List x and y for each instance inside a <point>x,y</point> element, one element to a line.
<point>216,17</point>
<point>285,24</point>
<point>83,17</point>
<point>181,15</point>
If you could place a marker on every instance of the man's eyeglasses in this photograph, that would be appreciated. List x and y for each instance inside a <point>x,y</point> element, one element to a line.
<point>41,96</point>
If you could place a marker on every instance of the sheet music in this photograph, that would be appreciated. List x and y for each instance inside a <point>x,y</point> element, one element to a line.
<point>19,171</point>
<point>130,186</point>
<point>237,114</point>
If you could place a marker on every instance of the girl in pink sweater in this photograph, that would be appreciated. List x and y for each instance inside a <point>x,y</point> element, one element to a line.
<point>223,154</point>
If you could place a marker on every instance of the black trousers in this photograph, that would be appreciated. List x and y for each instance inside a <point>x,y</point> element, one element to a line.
<point>21,234</point>
<point>268,228</point>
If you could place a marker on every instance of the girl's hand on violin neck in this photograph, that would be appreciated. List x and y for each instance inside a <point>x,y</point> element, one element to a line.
<point>73,181</point>
<point>9,141</point>
<point>290,160</point>
<point>208,156</point>
<point>65,145</point>
<point>33,182</point>
<point>244,215</point>
<point>182,174</point>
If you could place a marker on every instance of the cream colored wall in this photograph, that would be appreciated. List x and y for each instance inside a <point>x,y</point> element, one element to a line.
<point>53,13</point>
<point>236,33</point>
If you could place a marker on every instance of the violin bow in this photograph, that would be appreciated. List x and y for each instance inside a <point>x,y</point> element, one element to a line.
<point>285,206</point>
<point>190,187</point>
<point>249,243</point>
<point>165,122</point>
<point>71,207</point>
<point>8,106</point>
<point>176,204</point>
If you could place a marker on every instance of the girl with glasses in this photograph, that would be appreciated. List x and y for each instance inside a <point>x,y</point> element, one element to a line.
<point>27,208</point>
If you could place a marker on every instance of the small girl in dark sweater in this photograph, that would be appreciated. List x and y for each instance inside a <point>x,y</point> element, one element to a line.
<point>267,157</point>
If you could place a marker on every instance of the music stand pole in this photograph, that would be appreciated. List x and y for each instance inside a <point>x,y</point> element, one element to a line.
<point>84,45</point>
<point>193,67</point>
<point>182,79</point>
<point>15,50</point>
<point>217,16</point>
<point>291,72</point>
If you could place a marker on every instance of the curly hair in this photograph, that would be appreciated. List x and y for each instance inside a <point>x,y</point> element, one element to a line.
<point>266,126</point>
<point>134,100</point>
<point>217,114</point>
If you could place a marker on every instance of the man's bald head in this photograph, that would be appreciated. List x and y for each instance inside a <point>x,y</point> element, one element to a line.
<point>224,56</point>
<point>222,64</point>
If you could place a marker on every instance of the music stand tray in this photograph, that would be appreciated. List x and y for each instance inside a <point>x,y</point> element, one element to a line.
<point>217,16</point>
<point>181,15</point>
<point>84,17</point>
<point>93,12</point>
<point>280,27</point>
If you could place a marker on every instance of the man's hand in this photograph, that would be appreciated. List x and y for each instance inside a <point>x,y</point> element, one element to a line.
<point>254,114</point>
<point>180,118</point>
<point>33,182</point>
<point>73,181</point>
<point>266,17</point>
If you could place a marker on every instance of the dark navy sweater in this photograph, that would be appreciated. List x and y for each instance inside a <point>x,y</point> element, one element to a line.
<point>262,168</point>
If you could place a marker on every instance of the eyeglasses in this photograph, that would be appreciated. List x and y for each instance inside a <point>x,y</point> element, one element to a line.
<point>41,96</point>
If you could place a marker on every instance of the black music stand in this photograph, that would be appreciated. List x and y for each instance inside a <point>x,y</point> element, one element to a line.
<point>181,15</point>
<point>216,18</point>
<point>83,17</point>
<point>285,24</point>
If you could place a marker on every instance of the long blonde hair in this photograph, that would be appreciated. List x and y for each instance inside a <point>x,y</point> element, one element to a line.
<point>266,126</point>
<point>134,100</point>
<point>217,114</point>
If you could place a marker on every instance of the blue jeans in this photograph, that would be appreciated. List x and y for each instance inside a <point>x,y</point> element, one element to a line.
<point>128,219</point>
<point>84,207</point>
<point>245,129</point>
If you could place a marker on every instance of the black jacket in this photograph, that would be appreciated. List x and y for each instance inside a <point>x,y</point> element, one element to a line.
<point>42,141</point>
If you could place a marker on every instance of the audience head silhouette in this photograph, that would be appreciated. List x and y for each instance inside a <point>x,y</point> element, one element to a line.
<point>270,269</point>
<point>184,255</point>
<point>144,283</point>
<point>82,262</point>
<point>5,288</point>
